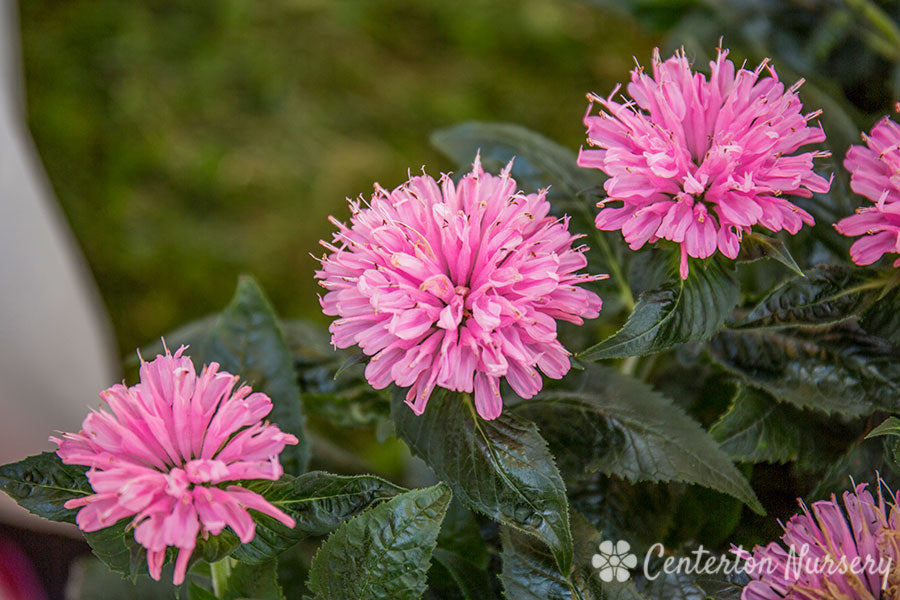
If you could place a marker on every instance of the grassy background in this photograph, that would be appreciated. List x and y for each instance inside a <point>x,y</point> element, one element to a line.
<point>192,142</point>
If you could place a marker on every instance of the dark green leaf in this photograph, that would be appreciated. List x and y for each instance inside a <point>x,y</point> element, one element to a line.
<point>501,467</point>
<point>828,294</point>
<point>673,586</point>
<point>319,503</point>
<point>333,382</point>
<point>720,587</point>
<point>539,162</point>
<point>530,573</point>
<point>117,547</point>
<point>756,246</point>
<point>529,570</point>
<point>247,341</point>
<point>357,358</point>
<point>839,369</point>
<point>461,534</point>
<point>757,428</point>
<point>471,581</point>
<point>650,269</point>
<point>863,462</point>
<point>680,311</point>
<point>882,319</point>
<point>191,334</point>
<point>642,513</point>
<point>890,426</point>
<point>195,592</point>
<point>384,553</point>
<point>703,516</point>
<point>616,424</point>
<point>42,484</point>
<point>256,582</point>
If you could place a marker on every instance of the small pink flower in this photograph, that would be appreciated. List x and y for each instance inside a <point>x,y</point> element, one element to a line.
<point>164,452</point>
<point>864,537</point>
<point>457,286</point>
<point>698,161</point>
<point>875,174</point>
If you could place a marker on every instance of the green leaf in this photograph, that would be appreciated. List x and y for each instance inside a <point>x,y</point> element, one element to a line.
<point>333,382</point>
<point>757,428</point>
<point>117,547</point>
<point>839,369</point>
<point>247,341</point>
<point>882,319</point>
<point>828,294</point>
<point>192,334</point>
<point>461,559</point>
<point>719,587</point>
<point>472,581</point>
<point>42,484</point>
<point>673,586</point>
<point>890,426</point>
<point>318,502</point>
<point>501,468</point>
<point>642,513</point>
<point>529,570</point>
<point>703,516</point>
<point>195,592</point>
<point>539,162</point>
<point>613,423</point>
<point>757,246</point>
<point>384,553</point>
<point>461,534</point>
<point>864,462</point>
<point>257,582</point>
<point>530,573</point>
<point>650,268</point>
<point>679,311</point>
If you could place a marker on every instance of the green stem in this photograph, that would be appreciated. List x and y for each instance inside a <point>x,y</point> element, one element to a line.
<point>573,589</point>
<point>220,571</point>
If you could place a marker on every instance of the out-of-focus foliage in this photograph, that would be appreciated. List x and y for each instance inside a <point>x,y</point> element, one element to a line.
<point>191,142</point>
<point>851,46</point>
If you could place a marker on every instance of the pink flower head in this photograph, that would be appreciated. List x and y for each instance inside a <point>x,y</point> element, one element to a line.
<point>830,553</point>
<point>698,161</point>
<point>457,286</point>
<point>165,452</point>
<point>875,174</point>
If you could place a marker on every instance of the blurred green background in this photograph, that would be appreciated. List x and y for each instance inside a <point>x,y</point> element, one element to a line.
<point>192,142</point>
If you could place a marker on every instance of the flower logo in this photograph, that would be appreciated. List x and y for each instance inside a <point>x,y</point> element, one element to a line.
<point>614,561</point>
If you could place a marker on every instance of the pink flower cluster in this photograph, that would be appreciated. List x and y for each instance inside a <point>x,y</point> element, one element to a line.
<point>164,453</point>
<point>457,286</point>
<point>875,174</point>
<point>831,554</point>
<point>700,161</point>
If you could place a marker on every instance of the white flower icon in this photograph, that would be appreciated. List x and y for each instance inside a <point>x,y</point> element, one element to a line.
<point>614,561</point>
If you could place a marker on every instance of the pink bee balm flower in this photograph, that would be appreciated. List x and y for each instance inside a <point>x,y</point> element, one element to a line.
<point>698,161</point>
<point>875,174</point>
<point>830,553</point>
<point>164,452</point>
<point>457,286</point>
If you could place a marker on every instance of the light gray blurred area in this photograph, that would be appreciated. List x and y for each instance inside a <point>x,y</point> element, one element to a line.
<point>56,345</point>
